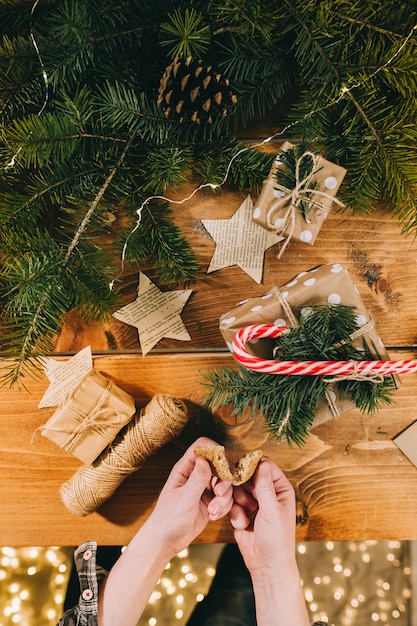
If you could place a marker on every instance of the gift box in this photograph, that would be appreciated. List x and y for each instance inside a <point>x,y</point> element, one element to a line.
<point>298,213</point>
<point>284,306</point>
<point>90,417</point>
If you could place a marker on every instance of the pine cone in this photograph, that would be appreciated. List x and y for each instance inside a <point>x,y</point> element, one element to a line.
<point>194,91</point>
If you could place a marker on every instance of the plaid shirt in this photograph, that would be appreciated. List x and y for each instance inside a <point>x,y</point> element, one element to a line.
<point>90,576</point>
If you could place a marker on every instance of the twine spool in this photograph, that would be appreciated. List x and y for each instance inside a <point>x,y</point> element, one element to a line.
<point>159,422</point>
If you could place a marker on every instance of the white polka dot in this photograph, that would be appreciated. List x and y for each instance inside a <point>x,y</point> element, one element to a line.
<point>266,296</point>
<point>258,307</point>
<point>336,268</point>
<point>256,212</point>
<point>301,274</point>
<point>306,311</point>
<point>330,182</point>
<point>361,320</point>
<point>279,222</point>
<point>242,302</point>
<point>284,294</point>
<point>229,345</point>
<point>334,298</point>
<point>332,396</point>
<point>280,322</point>
<point>306,236</point>
<point>279,193</point>
<point>309,282</point>
<point>292,283</point>
<point>228,320</point>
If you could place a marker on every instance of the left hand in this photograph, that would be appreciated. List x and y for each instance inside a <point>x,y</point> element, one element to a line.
<point>190,498</point>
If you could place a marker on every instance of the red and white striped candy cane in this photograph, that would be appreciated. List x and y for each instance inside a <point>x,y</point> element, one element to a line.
<point>309,368</point>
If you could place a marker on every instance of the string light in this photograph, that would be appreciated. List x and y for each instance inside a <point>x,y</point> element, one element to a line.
<point>44,74</point>
<point>22,578</point>
<point>339,588</point>
<point>344,91</point>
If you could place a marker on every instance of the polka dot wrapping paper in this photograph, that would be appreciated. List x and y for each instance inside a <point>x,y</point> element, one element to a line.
<point>271,208</point>
<point>284,306</point>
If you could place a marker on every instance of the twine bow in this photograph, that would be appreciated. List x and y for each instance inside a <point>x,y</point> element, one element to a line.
<point>99,420</point>
<point>293,197</point>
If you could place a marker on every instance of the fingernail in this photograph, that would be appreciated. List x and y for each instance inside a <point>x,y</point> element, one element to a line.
<point>200,466</point>
<point>221,489</point>
<point>215,512</point>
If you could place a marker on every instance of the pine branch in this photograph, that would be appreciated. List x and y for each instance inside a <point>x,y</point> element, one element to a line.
<point>289,403</point>
<point>160,241</point>
<point>346,72</point>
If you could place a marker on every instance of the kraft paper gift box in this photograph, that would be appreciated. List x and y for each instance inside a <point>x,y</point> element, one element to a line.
<point>278,207</point>
<point>90,417</point>
<point>283,306</point>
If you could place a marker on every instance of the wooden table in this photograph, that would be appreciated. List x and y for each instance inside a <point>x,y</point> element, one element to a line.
<point>351,478</point>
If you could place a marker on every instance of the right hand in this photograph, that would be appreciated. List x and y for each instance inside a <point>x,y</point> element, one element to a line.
<point>263,518</point>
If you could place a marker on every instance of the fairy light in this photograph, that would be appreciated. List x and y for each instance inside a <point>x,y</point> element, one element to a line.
<point>339,587</point>
<point>344,91</point>
<point>20,574</point>
<point>44,75</point>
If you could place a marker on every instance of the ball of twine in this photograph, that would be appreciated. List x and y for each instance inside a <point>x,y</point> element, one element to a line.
<point>159,422</point>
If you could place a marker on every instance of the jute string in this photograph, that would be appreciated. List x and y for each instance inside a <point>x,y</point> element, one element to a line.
<point>96,421</point>
<point>293,198</point>
<point>159,422</point>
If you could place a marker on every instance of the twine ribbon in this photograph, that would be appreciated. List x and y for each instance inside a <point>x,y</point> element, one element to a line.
<point>293,198</point>
<point>98,421</point>
<point>337,370</point>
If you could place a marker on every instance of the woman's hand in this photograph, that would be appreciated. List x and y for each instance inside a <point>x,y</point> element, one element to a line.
<point>263,516</point>
<point>189,499</point>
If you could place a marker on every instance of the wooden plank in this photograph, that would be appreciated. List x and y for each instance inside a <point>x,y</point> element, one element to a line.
<point>381,260</point>
<point>353,480</point>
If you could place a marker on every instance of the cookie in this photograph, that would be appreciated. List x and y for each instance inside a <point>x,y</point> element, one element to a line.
<point>216,456</point>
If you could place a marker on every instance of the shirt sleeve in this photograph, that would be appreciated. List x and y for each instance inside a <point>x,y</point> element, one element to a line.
<point>90,576</point>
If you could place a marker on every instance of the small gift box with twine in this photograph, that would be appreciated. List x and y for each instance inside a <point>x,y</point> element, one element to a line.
<point>298,194</point>
<point>90,417</point>
<point>284,306</point>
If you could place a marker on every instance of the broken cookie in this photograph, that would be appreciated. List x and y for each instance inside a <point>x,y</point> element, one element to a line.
<point>216,456</point>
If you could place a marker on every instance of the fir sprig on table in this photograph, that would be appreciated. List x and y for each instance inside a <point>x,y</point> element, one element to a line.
<point>288,403</point>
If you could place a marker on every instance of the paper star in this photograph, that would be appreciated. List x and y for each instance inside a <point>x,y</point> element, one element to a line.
<point>156,314</point>
<point>240,241</point>
<point>65,376</point>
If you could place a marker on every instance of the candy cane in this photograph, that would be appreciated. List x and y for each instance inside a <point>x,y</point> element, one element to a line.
<point>309,368</point>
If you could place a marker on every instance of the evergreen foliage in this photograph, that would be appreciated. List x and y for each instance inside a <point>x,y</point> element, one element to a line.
<point>289,403</point>
<point>83,141</point>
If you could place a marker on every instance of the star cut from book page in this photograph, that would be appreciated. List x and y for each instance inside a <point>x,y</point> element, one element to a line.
<point>64,376</point>
<point>240,241</point>
<point>156,314</point>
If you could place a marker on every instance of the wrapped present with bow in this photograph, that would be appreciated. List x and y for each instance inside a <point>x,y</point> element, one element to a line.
<point>298,194</point>
<point>90,417</point>
<point>330,287</point>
